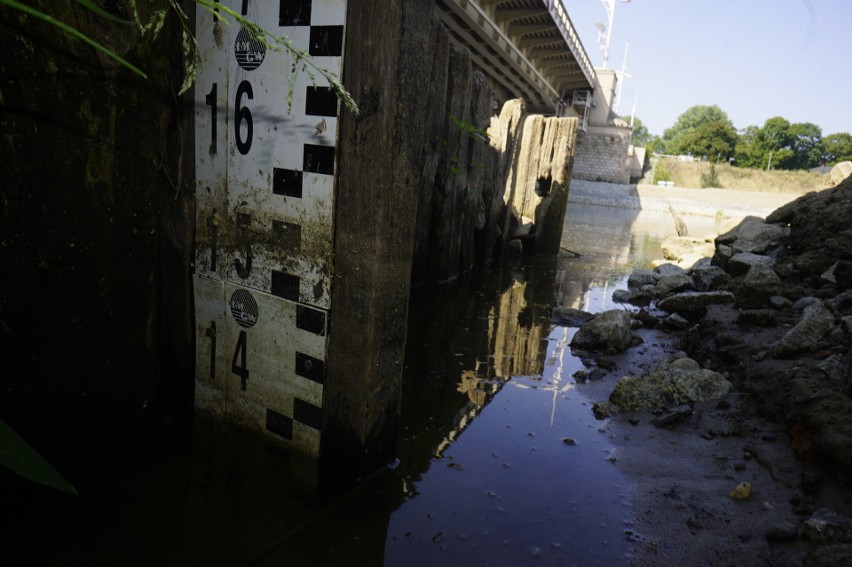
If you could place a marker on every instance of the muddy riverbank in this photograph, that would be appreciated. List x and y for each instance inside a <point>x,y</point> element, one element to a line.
<point>777,327</point>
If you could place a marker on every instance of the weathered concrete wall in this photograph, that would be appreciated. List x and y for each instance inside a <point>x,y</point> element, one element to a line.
<point>602,154</point>
<point>95,233</point>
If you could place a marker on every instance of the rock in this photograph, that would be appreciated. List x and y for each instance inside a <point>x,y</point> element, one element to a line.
<point>604,409</point>
<point>834,368</point>
<point>784,531</point>
<point>673,414</point>
<point>758,286</point>
<point>741,263</point>
<point>838,554</point>
<point>569,441</point>
<point>754,234</point>
<point>685,363</point>
<point>838,173</point>
<point>709,278</point>
<point>841,303</point>
<point>675,322</point>
<point>803,302</point>
<point>759,317</point>
<point>779,302</point>
<point>815,323</point>
<point>742,491</point>
<point>669,270</point>
<point>607,330</point>
<point>691,301</point>
<point>640,278</point>
<point>569,317</point>
<point>622,296</point>
<point>828,526</point>
<point>678,247</point>
<point>670,283</point>
<point>665,386</point>
<point>723,255</point>
<point>843,275</point>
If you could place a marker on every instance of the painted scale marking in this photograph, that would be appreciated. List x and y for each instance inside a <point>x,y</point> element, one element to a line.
<point>264,202</point>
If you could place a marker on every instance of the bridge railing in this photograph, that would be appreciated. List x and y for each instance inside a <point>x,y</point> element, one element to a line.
<point>563,22</point>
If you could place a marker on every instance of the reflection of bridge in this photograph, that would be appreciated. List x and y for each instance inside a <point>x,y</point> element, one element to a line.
<point>527,48</point>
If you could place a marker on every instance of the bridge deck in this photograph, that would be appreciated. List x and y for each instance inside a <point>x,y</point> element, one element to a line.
<point>527,48</point>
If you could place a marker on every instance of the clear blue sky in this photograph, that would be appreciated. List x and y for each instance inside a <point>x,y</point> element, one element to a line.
<point>755,59</point>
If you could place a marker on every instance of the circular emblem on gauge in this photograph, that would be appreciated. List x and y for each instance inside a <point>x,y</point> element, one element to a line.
<point>243,308</point>
<point>249,50</point>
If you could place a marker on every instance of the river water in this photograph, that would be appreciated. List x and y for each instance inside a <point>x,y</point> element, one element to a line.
<point>500,460</point>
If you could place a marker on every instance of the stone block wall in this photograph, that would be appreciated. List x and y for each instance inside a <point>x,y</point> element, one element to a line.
<point>602,154</point>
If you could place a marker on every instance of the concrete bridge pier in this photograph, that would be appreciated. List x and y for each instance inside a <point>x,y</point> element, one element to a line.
<point>310,217</point>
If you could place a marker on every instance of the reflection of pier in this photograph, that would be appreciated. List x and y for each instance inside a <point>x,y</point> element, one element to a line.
<point>463,348</point>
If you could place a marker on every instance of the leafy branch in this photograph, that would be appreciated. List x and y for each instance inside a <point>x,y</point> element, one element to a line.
<point>302,60</point>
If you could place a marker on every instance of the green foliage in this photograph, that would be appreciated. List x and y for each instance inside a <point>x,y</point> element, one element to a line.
<point>693,125</point>
<point>192,59</point>
<point>19,457</point>
<point>710,178</point>
<point>780,145</point>
<point>38,14</point>
<point>661,172</point>
<point>472,132</point>
<point>710,140</point>
<point>641,137</point>
<point>837,148</point>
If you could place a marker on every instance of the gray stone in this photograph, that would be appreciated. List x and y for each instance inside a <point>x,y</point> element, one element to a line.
<point>815,323</point>
<point>685,363</point>
<point>607,330</point>
<point>828,526</point>
<point>841,303</point>
<point>846,324</point>
<point>675,322</point>
<point>834,368</point>
<point>672,414</point>
<point>740,263</point>
<point>803,302</point>
<point>779,302</point>
<point>709,278</point>
<point>640,278</point>
<point>670,283</point>
<point>669,270</point>
<point>754,234</point>
<point>666,385</point>
<point>692,301</point>
<point>622,295</point>
<point>759,284</point>
<point>604,409</point>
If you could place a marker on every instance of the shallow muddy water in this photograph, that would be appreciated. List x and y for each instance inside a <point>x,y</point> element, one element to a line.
<point>500,460</point>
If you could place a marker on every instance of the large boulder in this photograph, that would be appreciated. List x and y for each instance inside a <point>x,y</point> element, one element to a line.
<point>760,283</point>
<point>815,323</point>
<point>668,385</point>
<point>838,173</point>
<point>708,278</point>
<point>607,330</point>
<point>754,234</point>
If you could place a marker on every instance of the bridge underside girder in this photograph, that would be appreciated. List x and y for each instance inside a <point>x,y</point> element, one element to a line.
<point>526,48</point>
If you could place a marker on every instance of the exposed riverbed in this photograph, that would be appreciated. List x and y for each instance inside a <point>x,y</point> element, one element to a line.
<point>500,459</point>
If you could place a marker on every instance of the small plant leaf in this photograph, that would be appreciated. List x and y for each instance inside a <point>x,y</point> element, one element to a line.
<point>18,456</point>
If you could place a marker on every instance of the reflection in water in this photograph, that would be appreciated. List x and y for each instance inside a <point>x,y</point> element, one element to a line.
<point>485,474</point>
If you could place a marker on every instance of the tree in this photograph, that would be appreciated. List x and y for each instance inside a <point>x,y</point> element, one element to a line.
<point>641,136</point>
<point>780,145</point>
<point>688,122</point>
<point>713,140</point>
<point>837,148</point>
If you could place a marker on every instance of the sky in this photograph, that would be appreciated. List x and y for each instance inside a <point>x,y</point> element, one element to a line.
<point>755,59</point>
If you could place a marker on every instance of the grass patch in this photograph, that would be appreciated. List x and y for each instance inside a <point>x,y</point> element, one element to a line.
<point>694,174</point>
